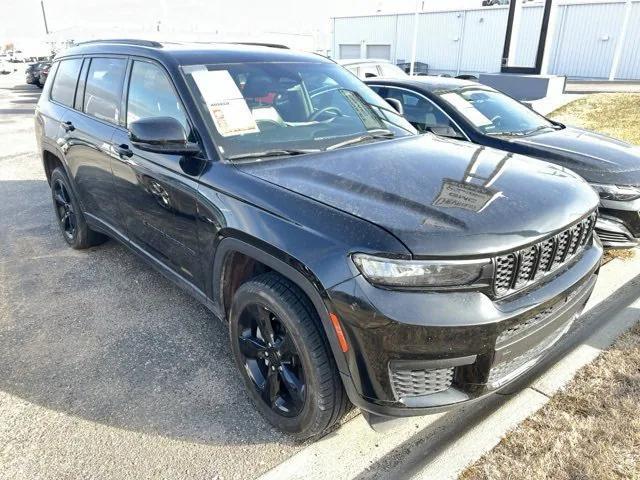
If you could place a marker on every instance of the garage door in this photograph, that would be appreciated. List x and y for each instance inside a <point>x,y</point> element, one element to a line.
<point>349,50</point>
<point>379,51</point>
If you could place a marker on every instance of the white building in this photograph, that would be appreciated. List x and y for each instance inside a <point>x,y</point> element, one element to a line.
<point>583,45</point>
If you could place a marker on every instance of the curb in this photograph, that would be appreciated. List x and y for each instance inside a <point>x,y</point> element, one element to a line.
<point>441,446</point>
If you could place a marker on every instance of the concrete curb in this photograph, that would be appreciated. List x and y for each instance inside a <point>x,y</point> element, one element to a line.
<point>441,446</point>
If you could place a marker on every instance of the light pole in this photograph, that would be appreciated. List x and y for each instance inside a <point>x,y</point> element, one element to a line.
<point>414,44</point>
<point>44,17</point>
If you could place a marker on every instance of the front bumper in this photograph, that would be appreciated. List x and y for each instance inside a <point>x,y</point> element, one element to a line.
<point>618,224</point>
<point>415,353</point>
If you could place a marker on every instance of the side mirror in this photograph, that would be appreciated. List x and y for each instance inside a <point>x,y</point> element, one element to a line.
<point>161,135</point>
<point>396,104</point>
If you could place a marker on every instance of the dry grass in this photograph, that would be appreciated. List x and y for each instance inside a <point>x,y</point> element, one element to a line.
<point>622,254</point>
<point>614,114</point>
<point>589,431</point>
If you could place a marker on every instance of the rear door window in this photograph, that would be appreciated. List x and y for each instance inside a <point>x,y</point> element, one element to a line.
<point>103,91</point>
<point>65,81</point>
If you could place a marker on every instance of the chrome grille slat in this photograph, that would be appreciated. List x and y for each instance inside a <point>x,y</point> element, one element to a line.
<point>562,243</point>
<point>547,248</point>
<point>526,266</point>
<point>576,234</point>
<point>513,271</point>
<point>505,269</point>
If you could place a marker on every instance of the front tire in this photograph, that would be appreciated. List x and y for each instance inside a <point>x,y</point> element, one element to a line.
<point>71,221</point>
<point>284,357</point>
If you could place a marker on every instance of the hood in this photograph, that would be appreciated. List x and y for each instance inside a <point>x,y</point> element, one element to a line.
<point>595,157</point>
<point>439,197</point>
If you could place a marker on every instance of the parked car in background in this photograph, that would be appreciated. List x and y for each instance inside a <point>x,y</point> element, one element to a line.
<point>6,67</point>
<point>352,259</point>
<point>368,68</point>
<point>32,72</point>
<point>43,74</point>
<point>482,115</point>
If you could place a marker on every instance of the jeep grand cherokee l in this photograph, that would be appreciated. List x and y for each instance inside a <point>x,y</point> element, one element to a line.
<point>354,261</point>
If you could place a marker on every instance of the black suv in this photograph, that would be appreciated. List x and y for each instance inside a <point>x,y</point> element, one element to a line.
<point>354,261</point>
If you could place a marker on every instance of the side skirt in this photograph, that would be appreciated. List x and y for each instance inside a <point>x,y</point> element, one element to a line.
<point>103,227</point>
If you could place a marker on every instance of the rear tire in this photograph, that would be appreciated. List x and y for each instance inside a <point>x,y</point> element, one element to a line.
<point>284,357</point>
<point>71,221</point>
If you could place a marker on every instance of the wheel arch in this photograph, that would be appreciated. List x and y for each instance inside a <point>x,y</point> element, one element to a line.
<point>272,259</point>
<point>51,159</point>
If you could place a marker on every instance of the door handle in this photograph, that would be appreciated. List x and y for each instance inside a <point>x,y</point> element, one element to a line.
<point>123,150</point>
<point>68,126</point>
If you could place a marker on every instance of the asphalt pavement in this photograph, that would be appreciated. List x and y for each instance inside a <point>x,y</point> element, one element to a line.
<point>106,369</point>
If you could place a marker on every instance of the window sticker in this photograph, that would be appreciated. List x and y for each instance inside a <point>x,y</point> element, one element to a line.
<point>228,108</point>
<point>467,109</point>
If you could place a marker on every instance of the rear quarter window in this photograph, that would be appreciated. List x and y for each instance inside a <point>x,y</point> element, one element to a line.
<point>65,81</point>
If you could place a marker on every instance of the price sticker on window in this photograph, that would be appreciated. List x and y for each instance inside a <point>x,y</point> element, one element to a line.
<point>229,110</point>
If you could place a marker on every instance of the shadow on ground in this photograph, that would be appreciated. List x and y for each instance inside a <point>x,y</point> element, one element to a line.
<point>99,335</point>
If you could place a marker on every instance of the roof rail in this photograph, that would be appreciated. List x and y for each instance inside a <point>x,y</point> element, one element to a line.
<point>262,44</point>
<point>127,41</point>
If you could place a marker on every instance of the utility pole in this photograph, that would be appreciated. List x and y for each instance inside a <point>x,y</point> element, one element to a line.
<point>44,17</point>
<point>414,45</point>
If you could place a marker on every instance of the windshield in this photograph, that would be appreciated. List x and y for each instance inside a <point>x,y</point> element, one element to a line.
<point>261,109</point>
<point>494,113</point>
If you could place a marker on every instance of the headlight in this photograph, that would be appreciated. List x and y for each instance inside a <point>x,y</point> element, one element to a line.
<point>616,192</point>
<point>423,273</point>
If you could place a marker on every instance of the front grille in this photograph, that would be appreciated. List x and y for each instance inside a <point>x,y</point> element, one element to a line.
<point>415,382</point>
<point>516,270</point>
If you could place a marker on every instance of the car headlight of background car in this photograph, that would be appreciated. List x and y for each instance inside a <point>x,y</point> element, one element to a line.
<point>616,192</point>
<point>391,272</point>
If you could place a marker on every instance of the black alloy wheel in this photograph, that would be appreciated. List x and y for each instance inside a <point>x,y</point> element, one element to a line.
<point>272,360</point>
<point>65,211</point>
<point>284,357</point>
<point>75,230</point>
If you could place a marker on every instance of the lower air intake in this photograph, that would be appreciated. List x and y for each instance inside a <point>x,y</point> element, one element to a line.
<point>416,382</point>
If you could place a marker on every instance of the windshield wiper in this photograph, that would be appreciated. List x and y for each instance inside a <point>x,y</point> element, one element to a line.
<point>537,129</point>
<point>280,152</point>
<point>371,135</point>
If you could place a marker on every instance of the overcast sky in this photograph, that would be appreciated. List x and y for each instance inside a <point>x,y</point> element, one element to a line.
<point>21,19</point>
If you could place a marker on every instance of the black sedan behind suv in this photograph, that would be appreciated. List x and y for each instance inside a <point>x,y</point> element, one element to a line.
<point>477,113</point>
<point>354,261</point>
<point>32,73</point>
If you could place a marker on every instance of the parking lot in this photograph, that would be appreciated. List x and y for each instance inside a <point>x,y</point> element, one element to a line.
<point>104,365</point>
<point>107,370</point>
